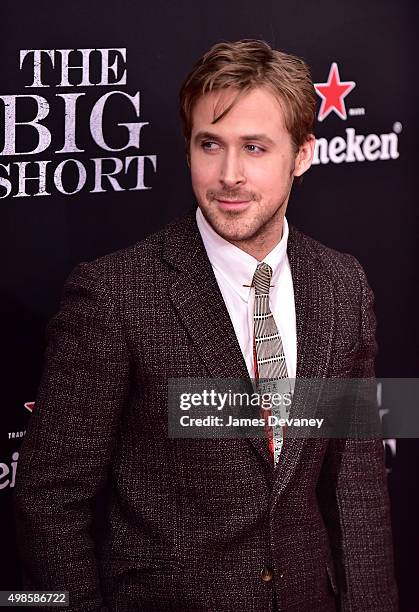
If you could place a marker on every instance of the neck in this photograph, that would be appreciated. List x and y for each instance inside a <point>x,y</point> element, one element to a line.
<point>262,243</point>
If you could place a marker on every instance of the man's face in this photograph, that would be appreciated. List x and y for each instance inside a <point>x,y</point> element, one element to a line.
<point>242,167</point>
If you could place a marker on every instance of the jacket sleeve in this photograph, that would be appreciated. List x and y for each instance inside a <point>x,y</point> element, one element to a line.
<point>68,446</point>
<point>354,497</point>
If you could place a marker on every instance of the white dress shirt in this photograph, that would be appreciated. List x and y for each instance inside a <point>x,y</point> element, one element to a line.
<point>233,268</point>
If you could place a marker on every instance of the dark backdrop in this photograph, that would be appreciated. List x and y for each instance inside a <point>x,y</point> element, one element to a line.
<point>367,206</point>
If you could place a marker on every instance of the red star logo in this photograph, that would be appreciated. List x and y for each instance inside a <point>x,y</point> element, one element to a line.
<point>332,94</point>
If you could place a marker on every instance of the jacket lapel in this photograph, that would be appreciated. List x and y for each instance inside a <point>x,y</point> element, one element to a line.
<point>197,299</point>
<point>314,306</point>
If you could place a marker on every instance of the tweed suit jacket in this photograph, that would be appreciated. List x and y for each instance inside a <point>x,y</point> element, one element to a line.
<point>113,510</point>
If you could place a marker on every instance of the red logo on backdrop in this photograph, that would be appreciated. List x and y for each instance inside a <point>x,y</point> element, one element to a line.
<point>29,406</point>
<point>333,93</point>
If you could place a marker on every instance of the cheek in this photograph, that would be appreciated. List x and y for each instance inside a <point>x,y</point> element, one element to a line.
<point>268,177</point>
<point>282,171</point>
<point>270,171</point>
<point>203,174</point>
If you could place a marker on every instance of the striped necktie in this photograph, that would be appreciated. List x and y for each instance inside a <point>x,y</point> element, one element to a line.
<point>270,364</point>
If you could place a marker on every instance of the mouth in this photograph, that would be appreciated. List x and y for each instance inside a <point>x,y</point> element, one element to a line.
<point>233,204</point>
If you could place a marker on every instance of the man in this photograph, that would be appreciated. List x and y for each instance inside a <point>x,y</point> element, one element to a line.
<point>124,517</point>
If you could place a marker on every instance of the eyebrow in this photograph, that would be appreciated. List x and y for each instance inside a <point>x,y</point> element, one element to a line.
<point>245,138</point>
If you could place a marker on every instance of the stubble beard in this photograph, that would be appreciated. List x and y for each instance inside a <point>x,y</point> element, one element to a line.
<point>242,228</point>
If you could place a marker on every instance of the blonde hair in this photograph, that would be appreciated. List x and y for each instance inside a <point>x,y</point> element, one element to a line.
<point>244,65</point>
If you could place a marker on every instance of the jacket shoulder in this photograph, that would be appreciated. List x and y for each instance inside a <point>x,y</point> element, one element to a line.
<point>139,258</point>
<point>335,263</point>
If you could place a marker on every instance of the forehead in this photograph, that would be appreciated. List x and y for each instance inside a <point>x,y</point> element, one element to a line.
<point>256,111</point>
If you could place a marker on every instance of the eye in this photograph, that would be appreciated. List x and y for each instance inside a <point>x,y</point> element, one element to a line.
<point>206,144</point>
<point>256,148</point>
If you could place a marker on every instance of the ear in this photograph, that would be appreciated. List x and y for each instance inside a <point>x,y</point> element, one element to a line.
<point>188,152</point>
<point>304,157</point>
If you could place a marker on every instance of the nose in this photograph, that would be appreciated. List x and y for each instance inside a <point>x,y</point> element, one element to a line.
<point>232,172</point>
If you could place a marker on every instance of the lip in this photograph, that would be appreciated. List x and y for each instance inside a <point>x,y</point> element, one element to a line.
<point>233,204</point>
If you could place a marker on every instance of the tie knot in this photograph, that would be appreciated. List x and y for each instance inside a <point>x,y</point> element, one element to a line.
<point>262,278</point>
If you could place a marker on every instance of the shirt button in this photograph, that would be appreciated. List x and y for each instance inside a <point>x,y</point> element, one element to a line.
<point>267,574</point>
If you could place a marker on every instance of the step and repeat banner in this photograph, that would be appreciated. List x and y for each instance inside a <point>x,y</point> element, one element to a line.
<point>92,159</point>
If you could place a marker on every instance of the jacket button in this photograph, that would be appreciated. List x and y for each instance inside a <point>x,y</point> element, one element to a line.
<point>267,574</point>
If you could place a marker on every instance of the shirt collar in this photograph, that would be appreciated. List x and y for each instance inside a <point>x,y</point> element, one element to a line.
<point>236,266</point>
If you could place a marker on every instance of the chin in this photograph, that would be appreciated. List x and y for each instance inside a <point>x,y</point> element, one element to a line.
<point>233,233</point>
<point>232,226</point>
